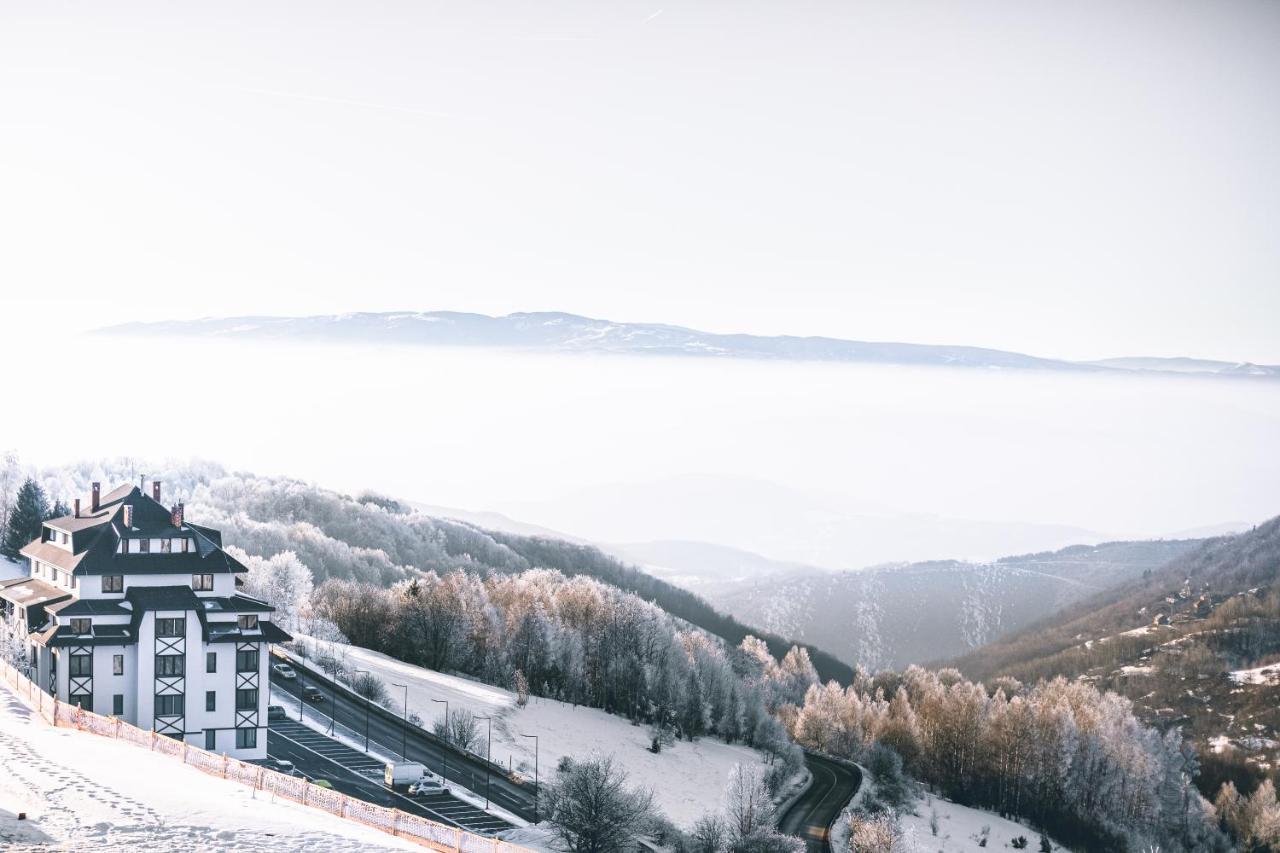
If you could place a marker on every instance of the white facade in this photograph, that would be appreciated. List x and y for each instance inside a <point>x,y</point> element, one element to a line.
<point>178,651</point>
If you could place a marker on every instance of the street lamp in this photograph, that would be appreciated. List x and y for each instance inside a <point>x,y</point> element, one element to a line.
<point>536,787</point>
<point>444,750</point>
<point>367,703</point>
<point>488,760</point>
<point>333,698</point>
<point>404,732</point>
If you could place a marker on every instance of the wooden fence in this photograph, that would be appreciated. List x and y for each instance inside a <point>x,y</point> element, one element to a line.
<point>428,833</point>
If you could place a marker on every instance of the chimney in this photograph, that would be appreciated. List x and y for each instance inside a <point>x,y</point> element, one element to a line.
<point>142,484</point>
<point>175,515</point>
<point>155,490</point>
<point>97,488</point>
<point>128,515</point>
<point>75,505</point>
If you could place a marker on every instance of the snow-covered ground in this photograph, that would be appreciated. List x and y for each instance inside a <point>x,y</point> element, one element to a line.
<point>961,829</point>
<point>81,791</point>
<point>687,779</point>
<point>1262,675</point>
<point>10,569</point>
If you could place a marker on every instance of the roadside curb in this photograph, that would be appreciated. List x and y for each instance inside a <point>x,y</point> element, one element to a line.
<point>781,809</point>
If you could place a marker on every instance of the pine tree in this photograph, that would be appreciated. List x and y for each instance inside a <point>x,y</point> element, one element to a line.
<point>30,509</point>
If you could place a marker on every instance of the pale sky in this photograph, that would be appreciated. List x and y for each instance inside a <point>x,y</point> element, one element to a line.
<point>1071,179</point>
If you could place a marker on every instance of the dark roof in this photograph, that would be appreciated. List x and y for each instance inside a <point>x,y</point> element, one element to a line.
<point>229,632</point>
<point>89,607</point>
<point>144,598</point>
<point>236,604</point>
<point>103,635</point>
<point>96,535</point>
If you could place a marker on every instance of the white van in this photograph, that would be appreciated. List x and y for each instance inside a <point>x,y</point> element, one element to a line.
<point>420,781</point>
<point>404,773</point>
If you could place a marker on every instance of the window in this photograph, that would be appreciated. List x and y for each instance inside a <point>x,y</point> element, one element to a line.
<point>81,665</point>
<point>80,625</point>
<point>166,545</point>
<point>113,583</point>
<point>82,700</point>
<point>246,738</point>
<point>171,627</point>
<point>144,546</point>
<point>180,545</point>
<point>62,537</point>
<point>248,622</point>
<point>246,700</point>
<point>169,665</point>
<point>117,664</point>
<point>211,739</point>
<point>247,661</point>
<point>117,704</point>
<point>210,661</point>
<point>170,705</point>
<point>202,583</point>
<point>211,700</point>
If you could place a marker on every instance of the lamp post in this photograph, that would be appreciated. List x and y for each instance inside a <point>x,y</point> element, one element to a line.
<point>488,759</point>
<point>536,787</point>
<point>302,696</point>
<point>444,750</point>
<point>367,703</point>
<point>404,732</point>
<point>333,697</point>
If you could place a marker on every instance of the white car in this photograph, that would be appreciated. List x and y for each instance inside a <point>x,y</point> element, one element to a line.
<point>427,786</point>
<point>284,670</point>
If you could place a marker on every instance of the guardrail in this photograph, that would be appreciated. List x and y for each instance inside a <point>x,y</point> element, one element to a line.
<point>428,833</point>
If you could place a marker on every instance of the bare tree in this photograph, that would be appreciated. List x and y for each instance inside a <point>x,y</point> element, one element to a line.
<point>592,810</point>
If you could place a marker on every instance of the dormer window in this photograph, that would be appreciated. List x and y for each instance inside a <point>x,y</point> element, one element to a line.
<point>80,625</point>
<point>62,537</point>
<point>248,622</point>
<point>166,546</point>
<point>144,545</point>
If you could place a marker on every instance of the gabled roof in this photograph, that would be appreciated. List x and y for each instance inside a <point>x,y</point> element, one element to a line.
<point>95,536</point>
<point>25,592</point>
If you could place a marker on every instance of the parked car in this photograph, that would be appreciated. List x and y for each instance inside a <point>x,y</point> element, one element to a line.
<point>312,694</point>
<point>276,712</point>
<point>427,786</point>
<point>284,670</point>
<point>282,766</point>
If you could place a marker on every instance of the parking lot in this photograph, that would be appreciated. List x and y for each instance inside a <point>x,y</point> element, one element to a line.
<point>353,772</point>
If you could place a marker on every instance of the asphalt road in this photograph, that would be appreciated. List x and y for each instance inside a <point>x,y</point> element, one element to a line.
<point>811,816</point>
<point>388,732</point>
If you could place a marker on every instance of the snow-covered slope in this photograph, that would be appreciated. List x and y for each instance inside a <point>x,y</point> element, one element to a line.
<point>687,779</point>
<point>85,792</point>
<point>962,829</point>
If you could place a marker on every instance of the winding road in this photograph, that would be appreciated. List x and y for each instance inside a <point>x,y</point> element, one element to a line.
<point>811,816</point>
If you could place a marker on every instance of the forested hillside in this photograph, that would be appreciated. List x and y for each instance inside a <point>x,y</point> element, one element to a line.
<point>897,615</point>
<point>1195,646</point>
<point>379,540</point>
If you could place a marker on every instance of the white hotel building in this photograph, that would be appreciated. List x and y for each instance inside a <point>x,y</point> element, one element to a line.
<point>130,610</point>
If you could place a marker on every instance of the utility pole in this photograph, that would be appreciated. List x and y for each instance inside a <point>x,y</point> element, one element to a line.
<point>444,750</point>
<point>367,703</point>
<point>488,751</point>
<point>404,732</point>
<point>537,789</point>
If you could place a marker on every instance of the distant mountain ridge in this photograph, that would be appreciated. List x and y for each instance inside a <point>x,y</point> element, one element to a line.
<point>892,616</point>
<point>561,332</point>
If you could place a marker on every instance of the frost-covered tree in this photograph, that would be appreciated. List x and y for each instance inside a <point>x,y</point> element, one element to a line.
<point>282,581</point>
<point>593,810</point>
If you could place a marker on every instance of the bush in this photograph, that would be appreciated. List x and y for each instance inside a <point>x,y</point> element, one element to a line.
<point>1019,843</point>
<point>371,688</point>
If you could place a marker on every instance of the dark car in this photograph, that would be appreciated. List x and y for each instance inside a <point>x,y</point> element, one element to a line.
<point>276,712</point>
<point>312,694</point>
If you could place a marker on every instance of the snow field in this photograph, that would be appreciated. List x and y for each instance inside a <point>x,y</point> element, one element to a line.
<point>687,779</point>
<point>85,792</point>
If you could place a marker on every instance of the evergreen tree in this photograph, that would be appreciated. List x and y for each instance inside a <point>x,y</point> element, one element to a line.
<point>60,510</point>
<point>30,509</point>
